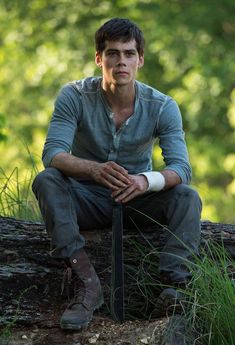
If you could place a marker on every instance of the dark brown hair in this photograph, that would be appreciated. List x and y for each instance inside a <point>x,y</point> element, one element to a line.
<point>119,29</point>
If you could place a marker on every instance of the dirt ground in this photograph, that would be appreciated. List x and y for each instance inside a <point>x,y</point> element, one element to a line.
<point>101,331</point>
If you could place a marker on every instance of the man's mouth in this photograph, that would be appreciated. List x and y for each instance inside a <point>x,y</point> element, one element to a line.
<point>122,72</point>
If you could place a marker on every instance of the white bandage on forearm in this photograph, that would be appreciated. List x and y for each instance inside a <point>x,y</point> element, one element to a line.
<point>156,181</point>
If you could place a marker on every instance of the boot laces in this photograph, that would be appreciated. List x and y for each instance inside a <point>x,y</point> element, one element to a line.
<point>67,278</point>
<point>79,293</point>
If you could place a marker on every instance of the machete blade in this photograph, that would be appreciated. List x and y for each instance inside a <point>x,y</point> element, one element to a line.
<point>117,275</point>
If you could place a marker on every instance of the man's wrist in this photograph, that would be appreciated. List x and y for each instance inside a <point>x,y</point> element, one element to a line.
<point>91,168</point>
<point>156,181</point>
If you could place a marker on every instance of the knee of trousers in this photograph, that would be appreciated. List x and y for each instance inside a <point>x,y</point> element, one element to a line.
<point>189,196</point>
<point>46,179</point>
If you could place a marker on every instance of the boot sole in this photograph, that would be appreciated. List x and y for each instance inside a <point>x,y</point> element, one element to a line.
<point>84,325</point>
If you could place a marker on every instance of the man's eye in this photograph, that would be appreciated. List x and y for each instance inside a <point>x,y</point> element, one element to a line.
<point>130,53</point>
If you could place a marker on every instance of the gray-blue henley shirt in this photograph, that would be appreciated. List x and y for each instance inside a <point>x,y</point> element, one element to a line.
<point>82,124</point>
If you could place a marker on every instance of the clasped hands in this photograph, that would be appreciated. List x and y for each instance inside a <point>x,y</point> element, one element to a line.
<point>124,186</point>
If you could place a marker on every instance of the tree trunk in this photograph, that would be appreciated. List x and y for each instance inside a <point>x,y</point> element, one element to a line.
<point>31,281</point>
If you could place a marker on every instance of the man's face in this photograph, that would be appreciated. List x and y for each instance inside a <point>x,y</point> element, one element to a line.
<point>119,62</point>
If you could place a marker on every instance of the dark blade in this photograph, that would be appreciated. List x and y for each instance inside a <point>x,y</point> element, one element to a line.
<point>117,276</point>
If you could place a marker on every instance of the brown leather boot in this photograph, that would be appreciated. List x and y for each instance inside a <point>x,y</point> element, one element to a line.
<point>88,297</point>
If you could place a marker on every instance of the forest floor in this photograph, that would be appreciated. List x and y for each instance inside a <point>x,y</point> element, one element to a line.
<point>101,331</point>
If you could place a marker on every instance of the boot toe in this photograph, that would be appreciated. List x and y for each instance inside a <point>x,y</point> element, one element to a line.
<point>77,317</point>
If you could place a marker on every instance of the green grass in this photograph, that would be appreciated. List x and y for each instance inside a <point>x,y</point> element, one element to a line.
<point>209,305</point>
<point>142,283</point>
<point>16,197</point>
<point>211,302</point>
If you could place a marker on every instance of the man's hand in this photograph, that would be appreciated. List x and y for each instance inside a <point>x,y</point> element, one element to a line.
<point>111,175</point>
<point>139,185</point>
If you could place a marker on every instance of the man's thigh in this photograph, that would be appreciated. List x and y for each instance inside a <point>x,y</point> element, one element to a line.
<point>155,207</point>
<point>93,204</point>
<point>147,209</point>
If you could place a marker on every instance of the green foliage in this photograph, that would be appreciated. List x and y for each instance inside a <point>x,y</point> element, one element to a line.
<point>190,55</point>
<point>3,135</point>
<point>208,300</point>
<point>142,281</point>
<point>16,198</point>
<point>212,297</point>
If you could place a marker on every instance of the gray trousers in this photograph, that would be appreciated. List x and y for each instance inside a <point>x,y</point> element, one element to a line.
<point>68,205</point>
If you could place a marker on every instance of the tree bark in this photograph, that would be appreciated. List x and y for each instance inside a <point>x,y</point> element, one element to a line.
<point>31,280</point>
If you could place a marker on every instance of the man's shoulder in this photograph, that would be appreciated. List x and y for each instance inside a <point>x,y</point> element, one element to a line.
<point>74,90</point>
<point>149,93</point>
<point>86,85</point>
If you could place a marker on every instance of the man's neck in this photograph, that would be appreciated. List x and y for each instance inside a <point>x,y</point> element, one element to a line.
<point>119,97</point>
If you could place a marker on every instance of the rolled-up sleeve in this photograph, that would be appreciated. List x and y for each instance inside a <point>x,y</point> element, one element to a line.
<point>62,125</point>
<point>172,140</point>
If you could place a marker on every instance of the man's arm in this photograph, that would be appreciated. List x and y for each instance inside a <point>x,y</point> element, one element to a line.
<point>174,151</point>
<point>172,143</point>
<point>171,178</point>
<point>109,174</point>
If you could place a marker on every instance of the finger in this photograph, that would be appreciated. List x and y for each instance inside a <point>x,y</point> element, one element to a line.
<point>130,196</point>
<point>116,192</point>
<point>116,183</point>
<point>109,185</point>
<point>120,177</point>
<point>116,179</point>
<point>124,194</point>
<point>118,168</point>
<point>115,188</point>
<point>119,172</point>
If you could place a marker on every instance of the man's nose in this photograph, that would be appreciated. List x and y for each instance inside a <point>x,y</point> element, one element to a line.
<point>121,60</point>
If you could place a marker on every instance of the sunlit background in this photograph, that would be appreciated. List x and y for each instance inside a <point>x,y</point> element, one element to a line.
<point>190,55</point>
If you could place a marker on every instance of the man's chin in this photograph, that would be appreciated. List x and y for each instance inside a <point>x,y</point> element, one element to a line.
<point>122,82</point>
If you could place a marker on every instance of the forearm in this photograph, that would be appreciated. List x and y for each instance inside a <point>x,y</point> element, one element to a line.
<point>73,166</point>
<point>109,174</point>
<point>171,178</point>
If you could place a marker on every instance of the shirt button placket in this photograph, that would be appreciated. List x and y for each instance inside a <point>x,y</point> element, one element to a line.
<point>111,155</point>
<point>115,145</point>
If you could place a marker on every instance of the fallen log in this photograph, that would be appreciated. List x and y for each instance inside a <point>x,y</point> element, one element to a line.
<point>31,280</point>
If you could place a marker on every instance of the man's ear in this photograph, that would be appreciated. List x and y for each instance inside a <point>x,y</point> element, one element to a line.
<point>98,59</point>
<point>141,61</point>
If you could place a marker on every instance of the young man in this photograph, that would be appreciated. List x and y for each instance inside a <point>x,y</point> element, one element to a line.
<point>98,148</point>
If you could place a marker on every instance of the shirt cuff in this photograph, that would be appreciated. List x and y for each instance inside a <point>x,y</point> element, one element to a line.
<point>156,181</point>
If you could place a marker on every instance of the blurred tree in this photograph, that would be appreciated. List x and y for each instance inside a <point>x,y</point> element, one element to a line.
<point>190,54</point>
